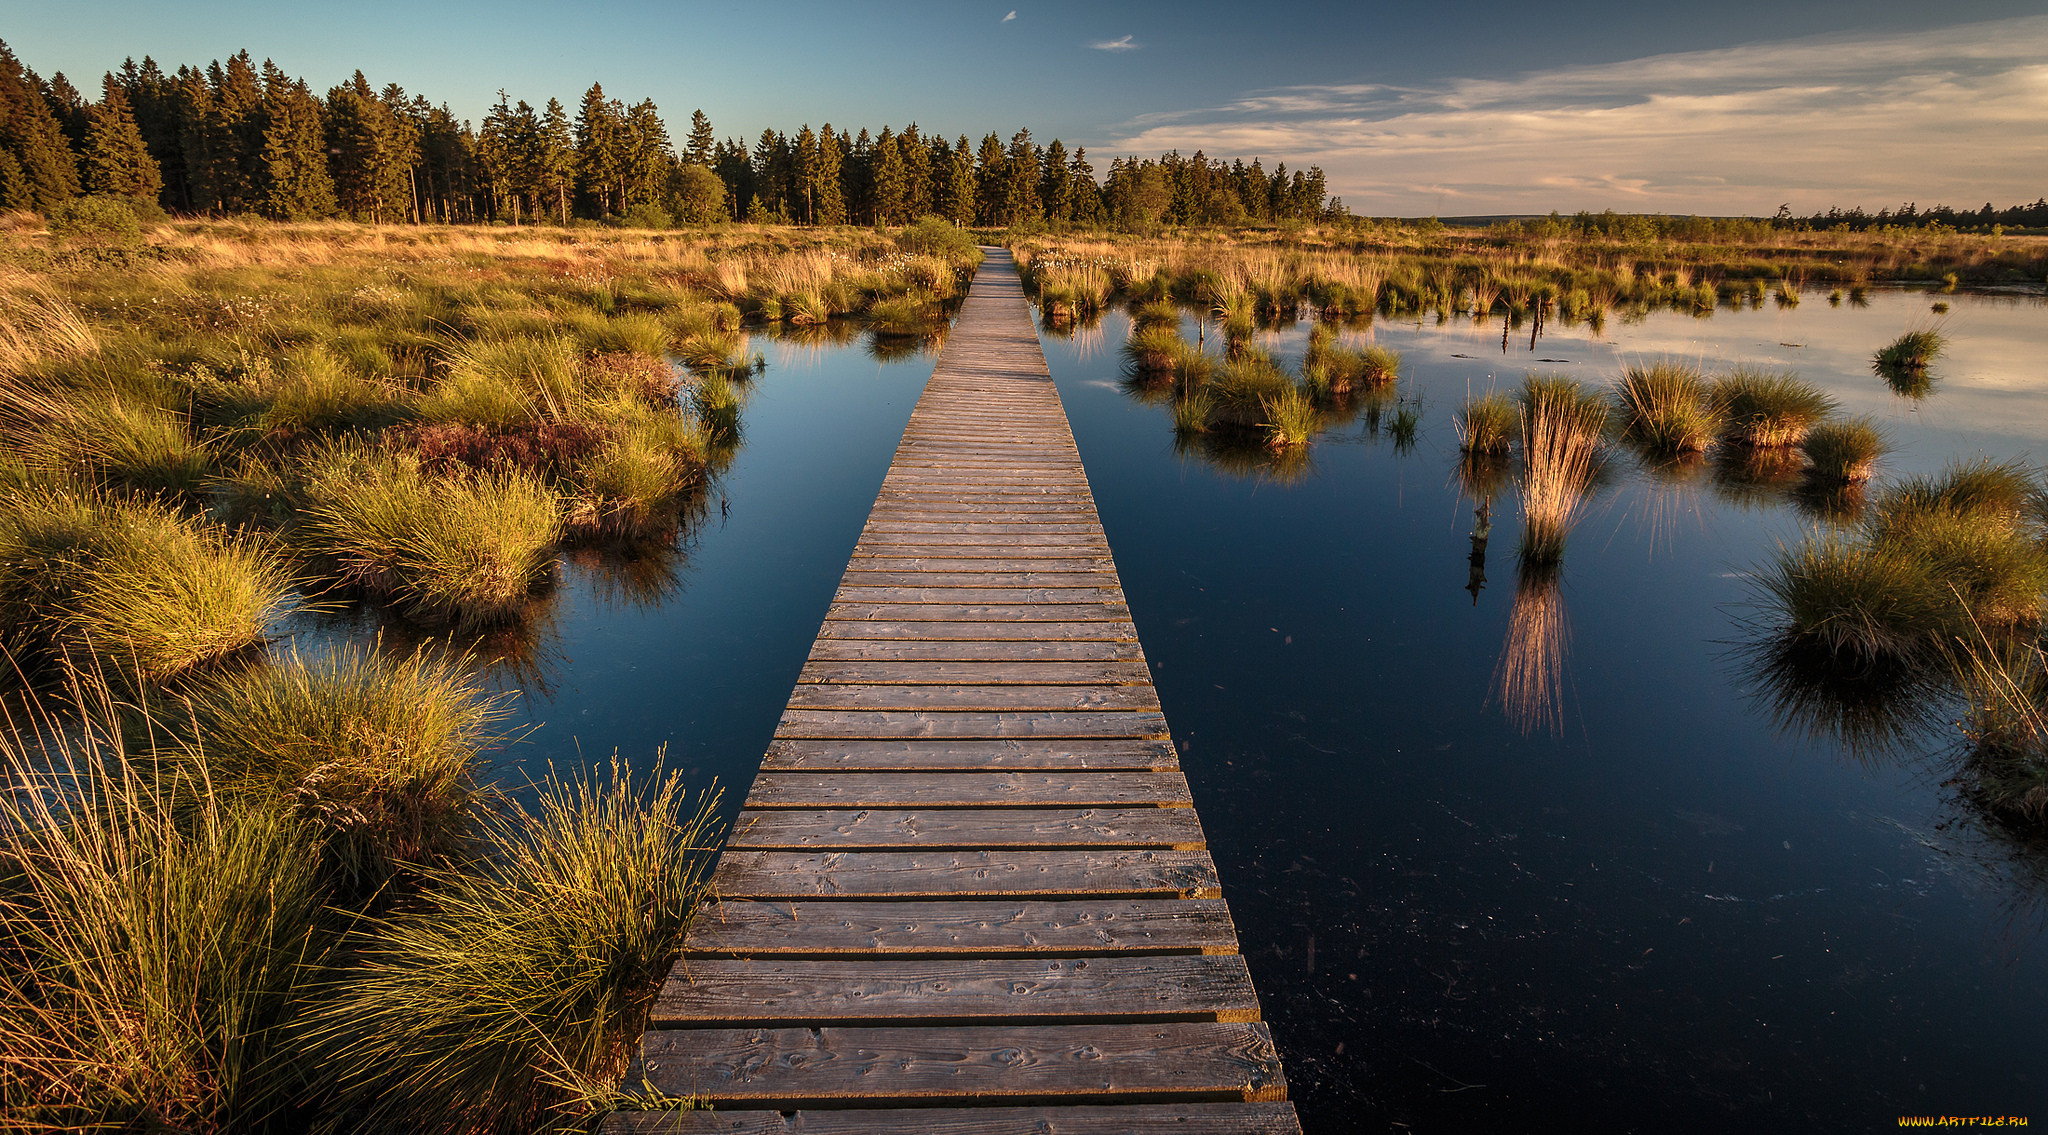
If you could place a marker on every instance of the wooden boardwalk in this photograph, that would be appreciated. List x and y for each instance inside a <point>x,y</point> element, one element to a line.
<point>968,893</point>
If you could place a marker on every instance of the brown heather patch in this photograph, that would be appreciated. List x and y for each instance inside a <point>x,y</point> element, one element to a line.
<point>549,449</point>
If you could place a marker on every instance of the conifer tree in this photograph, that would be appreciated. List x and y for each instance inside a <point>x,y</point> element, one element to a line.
<point>152,97</point>
<point>117,161</point>
<point>372,152</point>
<point>68,107</point>
<point>958,202</point>
<point>295,183</point>
<point>829,207</point>
<point>803,177</point>
<point>647,156</point>
<point>600,152</point>
<point>889,180</point>
<point>735,167</point>
<point>1087,196</point>
<point>556,164</point>
<point>37,170</point>
<point>1055,184</point>
<point>917,172</point>
<point>1020,180</point>
<point>702,141</point>
<point>990,180</point>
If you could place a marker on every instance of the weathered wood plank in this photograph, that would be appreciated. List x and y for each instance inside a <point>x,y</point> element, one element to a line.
<point>891,648</point>
<point>933,630</point>
<point>874,828</point>
<point>792,1068</point>
<point>937,568</point>
<point>857,575</point>
<point>987,673</point>
<point>1276,1118</point>
<point>953,696</point>
<point>1019,789</point>
<point>979,612</point>
<point>1111,754</point>
<point>955,991</point>
<point>948,929</point>
<point>745,874</point>
<point>861,593</point>
<point>1020,723</point>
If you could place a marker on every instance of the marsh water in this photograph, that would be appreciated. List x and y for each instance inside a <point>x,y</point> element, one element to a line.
<point>1633,901</point>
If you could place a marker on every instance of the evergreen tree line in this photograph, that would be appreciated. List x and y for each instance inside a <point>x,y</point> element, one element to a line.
<point>236,138</point>
<point>1909,215</point>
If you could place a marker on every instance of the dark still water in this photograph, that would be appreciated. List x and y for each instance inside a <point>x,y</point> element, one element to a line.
<point>1638,905</point>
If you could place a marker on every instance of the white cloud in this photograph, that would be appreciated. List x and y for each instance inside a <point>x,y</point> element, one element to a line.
<point>1122,44</point>
<point>1953,115</point>
<point>1008,18</point>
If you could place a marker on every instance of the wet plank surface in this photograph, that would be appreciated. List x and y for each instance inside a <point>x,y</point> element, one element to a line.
<point>969,880</point>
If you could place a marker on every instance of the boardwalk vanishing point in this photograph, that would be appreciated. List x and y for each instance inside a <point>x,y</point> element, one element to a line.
<point>968,892</point>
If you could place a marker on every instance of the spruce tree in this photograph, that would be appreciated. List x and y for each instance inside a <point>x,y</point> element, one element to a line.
<point>37,168</point>
<point>917,172</point>
<point>69,108</point>
<point>1055,184</point>
<point>647,155</point>
<point>295,183</point>
<point>557,160</point>
<point>372,151</point>
<point>702,141</point>
<point>600,152</point>
<point>117,161</point>
<point>959,201</point>
<point>830,207</point>
<point>990,180</point>
<point>890,180</point>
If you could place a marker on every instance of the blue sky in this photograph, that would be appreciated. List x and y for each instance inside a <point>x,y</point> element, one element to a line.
<point>1454,108</point>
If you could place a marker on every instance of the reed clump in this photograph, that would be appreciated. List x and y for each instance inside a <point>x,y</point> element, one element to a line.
<point>1558,452</point>
<point>1844,452</point>
<point>1665,409</point>
<point>1768,408</point>
<point>1488,424</point>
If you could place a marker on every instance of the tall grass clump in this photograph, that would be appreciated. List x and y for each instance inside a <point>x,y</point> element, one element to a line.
<point>1290,419</point>
<point>1852,604</point>
<point>515,994</point>
<point>106,436</point>
<point>1565,402</point>
<point>1768,408</point>
<point>1845,452</point>
<point>155,943</point>
<point>126,587</point>
<point>1558,452</point>
<point>1665,410</point>
<point>37,327</point>
<point>376,754</point>
<point>1488,424</point>
<point>468,550</point>
<point>1912,351</point>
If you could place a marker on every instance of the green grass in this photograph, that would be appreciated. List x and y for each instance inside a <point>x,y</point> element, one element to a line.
<point>1565,402</point>
<point>1157,313</point>
<point>1995,492</point>
<point>1290,419</point>
<point>1191,412</point>
<point>1488,424</point>
<point>1912,351</point>
<point>902,317</point>
<point>468,550</point>
<point>1665,410</point>
<point>1852,604</point>
<point>376,754</point>
<point>1844,451</point>
<point>514,995</point>
<point>1768,408</point>
<point>152,957</point>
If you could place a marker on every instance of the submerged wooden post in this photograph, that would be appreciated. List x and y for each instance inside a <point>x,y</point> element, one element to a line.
<point>968,891</point>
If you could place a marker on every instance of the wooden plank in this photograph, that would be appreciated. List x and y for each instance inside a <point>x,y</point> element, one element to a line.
<point>792,1068</point>
<point>979,612</point>
<point>933,630</point>
<point>1274,1118</point>
<point>953,696</point>
<point>887,648</point>
<point>1020,723</point>
<point>978,755</point>
<point>1040,544</point>
<point>988,673</point>
<point>938,568</point>
<point>946,929</point>
<point>955,991</point>
<point>874,828</point>
<point>858,576</point>
<point>1018,789</point>
<point>861,593</point>
<point>745,874</point>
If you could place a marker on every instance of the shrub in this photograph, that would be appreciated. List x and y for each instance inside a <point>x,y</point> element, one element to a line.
<point>99,220</point>
<point>934,236</point>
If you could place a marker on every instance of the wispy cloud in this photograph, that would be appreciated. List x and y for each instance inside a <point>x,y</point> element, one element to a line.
<point>1121,44</point>
<point>1952,114</point>
<point>1008,18</point>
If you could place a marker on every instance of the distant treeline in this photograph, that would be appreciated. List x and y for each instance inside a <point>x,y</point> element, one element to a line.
<point>234,138</point>
<point>2032,216</point>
